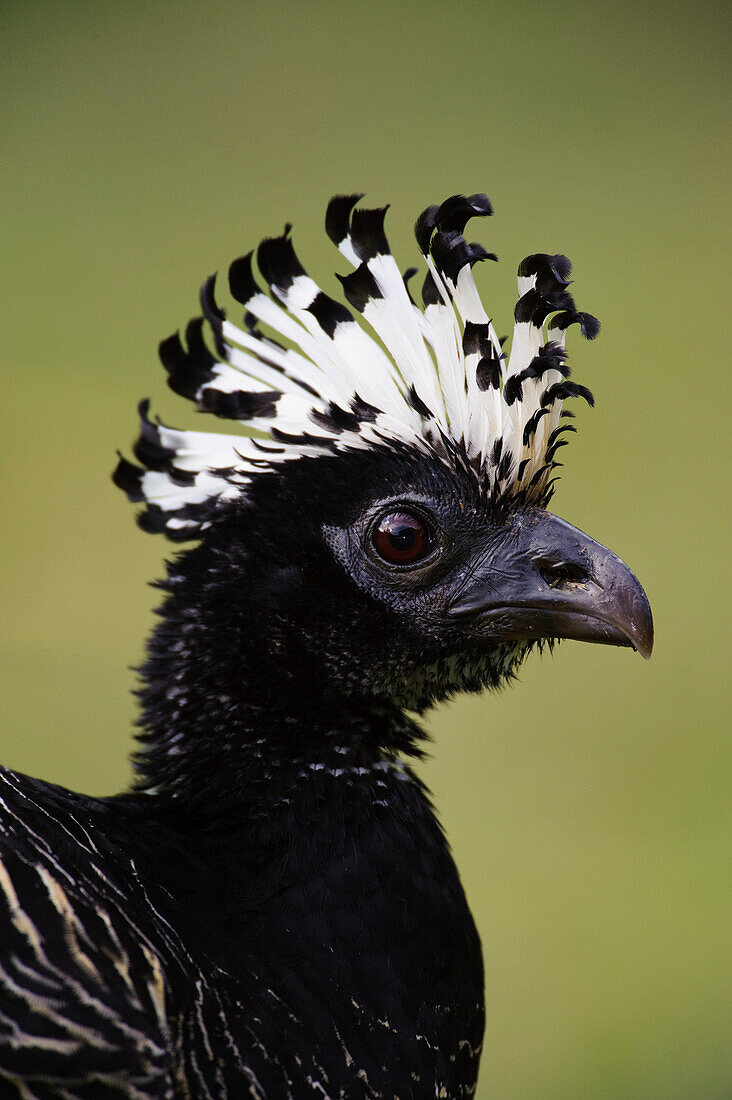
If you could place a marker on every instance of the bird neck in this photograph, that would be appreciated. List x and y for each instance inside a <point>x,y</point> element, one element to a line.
<point>236,707</point>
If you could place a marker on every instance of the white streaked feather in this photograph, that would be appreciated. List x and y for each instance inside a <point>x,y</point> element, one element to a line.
<point>316,374</point>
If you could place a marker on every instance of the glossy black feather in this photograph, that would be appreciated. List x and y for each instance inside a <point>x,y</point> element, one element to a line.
<point>276,903</point>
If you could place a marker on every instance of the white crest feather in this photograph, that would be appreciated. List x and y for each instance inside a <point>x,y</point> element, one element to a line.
<point>436,377</point>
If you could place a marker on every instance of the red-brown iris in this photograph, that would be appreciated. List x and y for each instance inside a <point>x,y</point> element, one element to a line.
<point>401,538</point>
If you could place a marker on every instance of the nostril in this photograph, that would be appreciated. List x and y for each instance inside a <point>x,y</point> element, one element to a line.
<point>561,574</point>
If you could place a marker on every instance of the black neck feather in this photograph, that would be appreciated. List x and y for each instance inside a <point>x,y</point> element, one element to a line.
<point>237,702</point>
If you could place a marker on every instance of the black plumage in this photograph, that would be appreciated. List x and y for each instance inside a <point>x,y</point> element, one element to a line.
<point>273,910</point>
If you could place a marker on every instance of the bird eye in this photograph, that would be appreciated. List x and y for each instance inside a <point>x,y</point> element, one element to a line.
<point>401,538</point>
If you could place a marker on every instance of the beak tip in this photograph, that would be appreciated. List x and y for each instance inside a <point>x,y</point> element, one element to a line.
<point>642,631</point>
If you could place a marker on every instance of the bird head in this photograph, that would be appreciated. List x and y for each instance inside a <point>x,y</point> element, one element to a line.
<point>380,524</point>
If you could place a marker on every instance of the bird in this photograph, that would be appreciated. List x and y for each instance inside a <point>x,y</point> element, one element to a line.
<point>272,910</point>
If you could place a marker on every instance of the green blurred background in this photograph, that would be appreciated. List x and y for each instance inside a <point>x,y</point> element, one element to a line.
<point>145,145</point>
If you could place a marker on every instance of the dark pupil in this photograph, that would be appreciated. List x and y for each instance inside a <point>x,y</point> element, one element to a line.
<point>402,537</point>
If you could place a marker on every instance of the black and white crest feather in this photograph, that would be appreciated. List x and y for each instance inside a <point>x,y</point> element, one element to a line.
<point>315,381</point>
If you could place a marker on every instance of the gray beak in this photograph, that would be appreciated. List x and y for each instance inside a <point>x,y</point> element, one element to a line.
<point>550,580</point>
